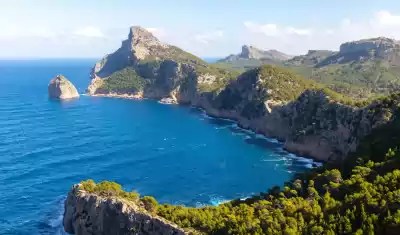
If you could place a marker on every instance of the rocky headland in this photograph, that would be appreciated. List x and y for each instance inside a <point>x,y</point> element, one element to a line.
<point>61,88</point>
<point>97,214</point>
<point>311,120</point>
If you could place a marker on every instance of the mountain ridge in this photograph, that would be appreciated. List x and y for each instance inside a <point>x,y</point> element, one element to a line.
<point>249,52</point>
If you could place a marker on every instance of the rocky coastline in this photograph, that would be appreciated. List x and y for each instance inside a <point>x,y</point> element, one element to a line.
<point>88,213</point>
<point>267,100</point>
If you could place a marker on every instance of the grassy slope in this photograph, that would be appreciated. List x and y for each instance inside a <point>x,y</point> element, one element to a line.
<point>128,78</point>
<point>358,80</point>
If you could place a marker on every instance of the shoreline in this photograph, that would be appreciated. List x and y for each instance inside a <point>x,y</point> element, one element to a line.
<point>120,96</point>
<point>314,161</point>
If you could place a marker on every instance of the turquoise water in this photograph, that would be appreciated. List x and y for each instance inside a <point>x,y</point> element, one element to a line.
<point>175,153</point>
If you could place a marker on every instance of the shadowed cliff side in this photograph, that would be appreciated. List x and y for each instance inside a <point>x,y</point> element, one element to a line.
<point>87,213</point>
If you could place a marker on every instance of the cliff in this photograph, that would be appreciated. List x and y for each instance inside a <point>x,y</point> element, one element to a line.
<point>89,213</point>
<point>61,88</point>
<point>156,70</point>
<point>375,49</point>
<point>310,119</point>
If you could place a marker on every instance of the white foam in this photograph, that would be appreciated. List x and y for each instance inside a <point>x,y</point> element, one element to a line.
<point>273,160</point>
<point>218,201</point>
<point>260,136</point>
<point>56,222</point>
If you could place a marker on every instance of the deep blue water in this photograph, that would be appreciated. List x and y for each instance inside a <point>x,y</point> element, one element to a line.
<point>177,154</point>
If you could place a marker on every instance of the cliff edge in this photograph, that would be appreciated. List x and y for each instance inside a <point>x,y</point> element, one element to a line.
<point>88,213</point>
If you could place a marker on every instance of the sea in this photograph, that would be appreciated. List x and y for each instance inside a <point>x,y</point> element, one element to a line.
<point>175,153</point>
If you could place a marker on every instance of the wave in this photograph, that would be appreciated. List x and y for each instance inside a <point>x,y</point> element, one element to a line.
<point>260,136</point>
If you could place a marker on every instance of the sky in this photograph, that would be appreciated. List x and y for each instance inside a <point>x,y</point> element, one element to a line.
<point>207,28</point>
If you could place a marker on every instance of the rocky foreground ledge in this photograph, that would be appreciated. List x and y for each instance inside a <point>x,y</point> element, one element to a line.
<point>89,213</point>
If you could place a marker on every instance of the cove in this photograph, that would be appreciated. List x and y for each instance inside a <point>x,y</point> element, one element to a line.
<point>177,154</point>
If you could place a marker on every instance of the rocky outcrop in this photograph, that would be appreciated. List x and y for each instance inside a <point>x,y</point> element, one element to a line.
<point>366,50</point>
<point>163,68</point>
<point>87,213</point>
<point>312,58</point>
<point>250,52</point>
<point>314,125</point>
<point>61,88</point>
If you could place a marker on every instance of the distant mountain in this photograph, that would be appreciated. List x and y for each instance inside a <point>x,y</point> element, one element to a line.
<point>253,53</point>
<point>312,58</point>
<point>360,68</point>
<point>381,48</point>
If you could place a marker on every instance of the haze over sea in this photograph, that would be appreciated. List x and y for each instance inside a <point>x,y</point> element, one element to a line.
<point>176,154</point>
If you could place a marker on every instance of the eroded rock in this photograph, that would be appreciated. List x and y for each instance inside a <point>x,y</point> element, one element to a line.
<point>61,88</point>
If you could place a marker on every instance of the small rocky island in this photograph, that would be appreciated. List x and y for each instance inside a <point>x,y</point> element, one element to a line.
<point>61,88</point>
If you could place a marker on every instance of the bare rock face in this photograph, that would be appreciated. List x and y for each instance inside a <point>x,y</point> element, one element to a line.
<point>381,48</point>
<point>61,88</point>
<point>89,214</point>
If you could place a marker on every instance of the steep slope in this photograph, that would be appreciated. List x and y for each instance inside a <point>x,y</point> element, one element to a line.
<point>359,68</point>
<point>146,67</point>
<point>310,119</point>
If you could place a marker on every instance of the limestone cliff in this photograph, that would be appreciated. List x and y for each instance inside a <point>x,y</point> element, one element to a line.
<point>314,123</point>
<point>87,213</point>
<point>311,120</point>
<point>155,69</point>
<point>373,49</point>
<point>61,88</point>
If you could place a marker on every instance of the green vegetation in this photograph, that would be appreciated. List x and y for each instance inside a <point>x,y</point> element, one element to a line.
<point>126,80</point>
<point>278,84</point>
<point>358,196</point>
<point>358,79</point>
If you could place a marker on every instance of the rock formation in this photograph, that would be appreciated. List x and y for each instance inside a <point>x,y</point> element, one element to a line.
<point>163,69</point>
<point>267,100</point>
<point>61,88</point>
<point>253,53</point>
<point>381,48</point>
<point>90,214</point>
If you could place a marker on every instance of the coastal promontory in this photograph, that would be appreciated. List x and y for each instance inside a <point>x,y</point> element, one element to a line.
<point>105,209</point>
<point>61,88</point>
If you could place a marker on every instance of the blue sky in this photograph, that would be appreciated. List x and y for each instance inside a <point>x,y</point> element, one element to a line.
<point>214,28</point>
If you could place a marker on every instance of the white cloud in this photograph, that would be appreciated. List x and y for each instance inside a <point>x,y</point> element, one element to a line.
<point>89,31</point>
<point>274,30</point>
<point>297,40</point>
<point>292,30</point>
<point>12,31</point>
<point>158,32</point>
<point>267,29</point>
<point>208,37</point>
<point>386,18</point>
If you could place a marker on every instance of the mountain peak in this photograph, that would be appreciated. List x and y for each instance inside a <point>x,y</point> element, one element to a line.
<point>139,35</point>
<point>251,52</point>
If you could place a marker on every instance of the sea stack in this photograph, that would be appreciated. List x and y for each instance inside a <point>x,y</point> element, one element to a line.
<point>61,88</point>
